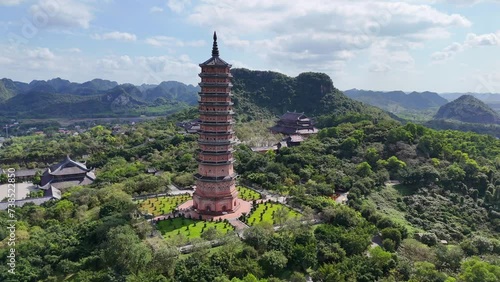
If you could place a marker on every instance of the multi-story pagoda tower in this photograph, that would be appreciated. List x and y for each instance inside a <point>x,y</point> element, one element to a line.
<point>215,181</point>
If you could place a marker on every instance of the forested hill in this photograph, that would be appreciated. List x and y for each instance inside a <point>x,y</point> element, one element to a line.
<point>259,94</point>
<point>96,98</point>
<point>398,100</point>
<point>468,109</point>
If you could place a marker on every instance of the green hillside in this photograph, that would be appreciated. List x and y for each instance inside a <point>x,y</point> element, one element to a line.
<point>5,93</point>
<point>257,95</point>
<point>261,94</point>
<point>468,109</point>
<point>88,100</point>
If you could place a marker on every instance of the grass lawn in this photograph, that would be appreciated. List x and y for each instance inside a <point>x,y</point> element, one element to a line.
<point>162,205</point>
<point>386,201</point>
<point>190,228</point>
<point>248,194</point>
<point>264,213</point>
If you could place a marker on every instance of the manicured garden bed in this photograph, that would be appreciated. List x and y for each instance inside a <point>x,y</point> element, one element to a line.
<point>270,212</point>
<point>162,205</point>
<point>247,194</point>
<point>190,228</point>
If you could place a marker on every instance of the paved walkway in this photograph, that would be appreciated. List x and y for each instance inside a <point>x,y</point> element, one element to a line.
<point>176,191</point>
<point>163,216</point>
<point>22,190</point>
<point>239,226</point>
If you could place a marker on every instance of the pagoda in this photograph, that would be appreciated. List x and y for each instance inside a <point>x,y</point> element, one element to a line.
<point>216,192</point>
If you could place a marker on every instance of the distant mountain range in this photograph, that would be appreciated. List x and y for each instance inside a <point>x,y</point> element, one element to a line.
<point>396,101</point>
<point>399,102</point>
<point>485,97</point>
<point>257,94</point>
<point>96,98</point>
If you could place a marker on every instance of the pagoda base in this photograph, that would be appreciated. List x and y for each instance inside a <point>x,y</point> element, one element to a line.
<point>216,204</point>
<point>188,210</point>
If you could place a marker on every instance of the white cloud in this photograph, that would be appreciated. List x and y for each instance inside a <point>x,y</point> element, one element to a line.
<point>316,34</point>
<point>448,52</point>
<point>379,67</point>
<point>367,17</point>
<point>41,54</point>
<point>114,63</point>
<point>160,41</point>
<point>26,59</point>
<point>10,2</point>
<point>490,39</point>
<point>487,82</point>
<point>178,6</point>
<point>115,35</point>
<point>61,13</point>
<point>26,64</point>
<point>455,2</point>
<point>5,61</point>
<point>149,70</point>
<point>469,2</point>
<point>74,50</point>
<point>156,9</point>
<point>387,55</point>
<point>472,40</point>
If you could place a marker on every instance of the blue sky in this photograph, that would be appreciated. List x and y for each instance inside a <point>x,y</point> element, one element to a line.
<point>435,45</point>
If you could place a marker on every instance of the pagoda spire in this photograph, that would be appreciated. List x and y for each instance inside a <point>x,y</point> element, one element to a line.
<point>215,49</point>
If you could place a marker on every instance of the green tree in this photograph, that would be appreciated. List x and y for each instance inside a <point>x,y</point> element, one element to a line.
<point>273,261</point>
<point>125,252</point>
<point>62,210</point>
<point>475,270</point>
<point>364,169</point>
<point>426,271</point>
<point>392,233</point>
<point>372,156</point>
<point>297,277</point>
<point>258,236</point>
<point>449,257</point>
<point>37,179</point>
<point>211,234</point>
<point>349,146</point>
<point>399,134</point>
<point>281,215</point>
<point>3,178</point>
<point>393,163</point>
<point>381,259</point>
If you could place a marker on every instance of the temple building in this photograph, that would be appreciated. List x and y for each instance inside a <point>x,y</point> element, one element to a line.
<point>294,124</point>
<point>66,174</point>
<point>215,180</point>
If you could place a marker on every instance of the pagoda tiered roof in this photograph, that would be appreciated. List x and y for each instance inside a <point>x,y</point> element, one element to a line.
<point>215,60</point>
